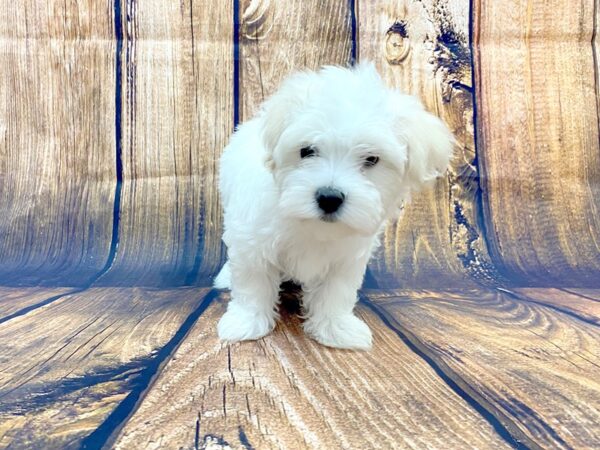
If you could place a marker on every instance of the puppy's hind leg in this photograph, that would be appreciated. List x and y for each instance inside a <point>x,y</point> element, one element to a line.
<point>251,312</point>
<point>223,279</point>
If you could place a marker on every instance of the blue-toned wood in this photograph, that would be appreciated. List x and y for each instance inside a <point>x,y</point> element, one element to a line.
<point>57,150</point>
<point>72,371</point>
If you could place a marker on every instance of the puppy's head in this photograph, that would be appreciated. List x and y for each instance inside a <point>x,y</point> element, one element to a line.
<point>346,151</point>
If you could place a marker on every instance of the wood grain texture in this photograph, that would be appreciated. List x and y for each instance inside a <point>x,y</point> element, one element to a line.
<point>564,300</point>
<point>65,367</point>
<point>533,367</point>
<point>286,391</point>
<point>538,124</point>
<point>596,52</point>
<point>13,299</point>
<point>422,48</point>
<point>277,38</point>
<point>57,140</point>
<point>591,294</point>
<point>177,116</point>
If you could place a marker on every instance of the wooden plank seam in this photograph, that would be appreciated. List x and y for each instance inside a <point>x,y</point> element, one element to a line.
<point>114,243</point>
<point>23,311</point>
<point>119,176</point>
<point>478,403</point>
<point>353,23</point>
<point>589,321</point>
<point>107,431</point>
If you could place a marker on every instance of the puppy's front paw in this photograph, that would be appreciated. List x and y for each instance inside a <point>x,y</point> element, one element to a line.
<point>346,331</point>
<point>242,323</point>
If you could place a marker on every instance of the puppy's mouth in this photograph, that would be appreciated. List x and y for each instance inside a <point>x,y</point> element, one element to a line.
<point>330,218</point>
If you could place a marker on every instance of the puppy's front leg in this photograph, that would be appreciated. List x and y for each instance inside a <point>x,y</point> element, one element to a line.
<point>251,312</point>
<point>328,308</point>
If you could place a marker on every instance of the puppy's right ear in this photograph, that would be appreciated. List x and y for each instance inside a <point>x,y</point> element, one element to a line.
<point>429,141</point>
<point>278,111</point>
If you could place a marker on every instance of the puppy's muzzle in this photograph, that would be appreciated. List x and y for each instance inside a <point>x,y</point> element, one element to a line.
<point>329,199</point>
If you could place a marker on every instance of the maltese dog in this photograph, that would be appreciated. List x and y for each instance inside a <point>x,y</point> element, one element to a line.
<point>308,186</point>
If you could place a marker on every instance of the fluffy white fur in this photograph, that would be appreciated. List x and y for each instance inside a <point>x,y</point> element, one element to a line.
<point>274,229</point>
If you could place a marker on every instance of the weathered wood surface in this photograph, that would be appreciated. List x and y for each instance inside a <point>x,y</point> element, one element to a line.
<point>277,38</point>
<point>569,301</point>
<point>591,294</point>
<point>177,114</point>
<point>533,367</point>
<point>15,299</point>
<point>57,140</point>
<point>422,48</point>
<point>65,367</point>
<point>137,139</point>
<point>286,391</point>
<point>596,52</point>
<point>538,126</point>
<point>449,369</point>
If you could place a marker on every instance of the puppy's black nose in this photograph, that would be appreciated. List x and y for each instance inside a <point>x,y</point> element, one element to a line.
<point>329,199</point>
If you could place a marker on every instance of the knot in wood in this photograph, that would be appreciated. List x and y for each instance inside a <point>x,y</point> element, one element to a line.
<point>257,20</point>
<point>397,45</point>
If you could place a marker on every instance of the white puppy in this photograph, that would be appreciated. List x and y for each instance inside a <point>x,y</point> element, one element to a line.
<point>307,187</point>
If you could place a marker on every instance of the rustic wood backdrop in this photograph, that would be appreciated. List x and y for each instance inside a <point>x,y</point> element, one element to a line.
<point>483,299</point>
<point>114,116</point>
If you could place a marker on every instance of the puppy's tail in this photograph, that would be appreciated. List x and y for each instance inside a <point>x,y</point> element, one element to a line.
<point>223,279</point>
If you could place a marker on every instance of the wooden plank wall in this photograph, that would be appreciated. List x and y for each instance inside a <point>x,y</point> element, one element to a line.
<point>177,114</point>
<point>538,126</point>
<point>57,140</point>
<point>108,175</point>
<point>423,49</point>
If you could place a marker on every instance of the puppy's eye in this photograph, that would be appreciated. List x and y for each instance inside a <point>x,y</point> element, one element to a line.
<point>307,152</point>
<point>371,161</point>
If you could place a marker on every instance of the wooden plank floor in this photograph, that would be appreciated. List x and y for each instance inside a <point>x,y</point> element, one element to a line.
<point>18,300</point>
<point>471,369</point>
<point>534,367</point>
<point>286,391</point>
<point>142,368</point>
<point>81,360</point>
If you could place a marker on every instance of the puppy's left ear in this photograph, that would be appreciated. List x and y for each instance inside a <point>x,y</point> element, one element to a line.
<point>429,142</point>
<point>278,110</point>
